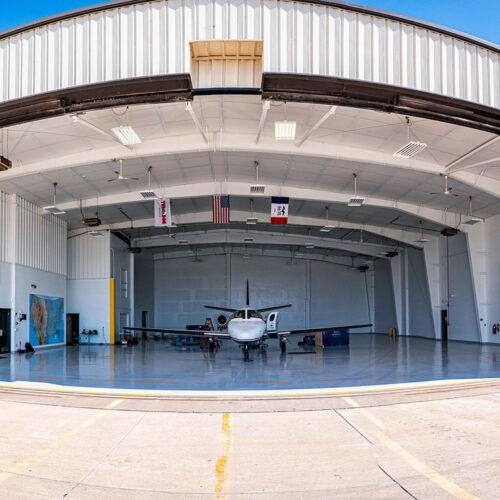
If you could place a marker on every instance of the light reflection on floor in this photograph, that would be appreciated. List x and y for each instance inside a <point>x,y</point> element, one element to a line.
<point>155,364</point>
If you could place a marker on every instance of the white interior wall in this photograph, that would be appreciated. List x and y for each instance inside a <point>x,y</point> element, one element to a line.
<point>32,260</point>
<point>50,284</point>
<point>493,277</point>
<point>463,312</point>
<point>88,284</point>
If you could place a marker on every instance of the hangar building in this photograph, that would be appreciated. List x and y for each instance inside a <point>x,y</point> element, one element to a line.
<point>380,130</point>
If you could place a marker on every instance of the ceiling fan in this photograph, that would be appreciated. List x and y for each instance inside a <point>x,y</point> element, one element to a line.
<point>447,190</point>
<point>120,176</point>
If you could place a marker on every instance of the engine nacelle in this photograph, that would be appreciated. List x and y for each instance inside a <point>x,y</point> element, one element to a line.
<point>272,324</point>
<point>222,321</point>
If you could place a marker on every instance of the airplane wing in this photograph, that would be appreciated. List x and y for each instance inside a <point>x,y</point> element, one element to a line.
<point>188,333</point>
<point>284,333</point>
<point>216,308</point>
<point>266,309</point>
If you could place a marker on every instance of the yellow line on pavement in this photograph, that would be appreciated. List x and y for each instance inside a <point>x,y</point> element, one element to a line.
<point>221,467</point>
<point>413,461</point>
<point>365,413</point>
<point>24,464</point>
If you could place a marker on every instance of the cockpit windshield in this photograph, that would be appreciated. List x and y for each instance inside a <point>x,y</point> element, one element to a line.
<point>239,314</point>
<point>253,314</point>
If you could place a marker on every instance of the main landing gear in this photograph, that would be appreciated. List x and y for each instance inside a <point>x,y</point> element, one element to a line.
<point>283,345</point>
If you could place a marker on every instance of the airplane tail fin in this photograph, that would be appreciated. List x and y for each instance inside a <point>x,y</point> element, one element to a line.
<point>248,295</point>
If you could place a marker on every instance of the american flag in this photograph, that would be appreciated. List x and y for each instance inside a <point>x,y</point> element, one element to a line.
<point>220,209</point>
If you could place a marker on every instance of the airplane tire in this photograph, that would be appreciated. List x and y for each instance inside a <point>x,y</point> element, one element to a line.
<point>283,346</point>
<point>211,346</point>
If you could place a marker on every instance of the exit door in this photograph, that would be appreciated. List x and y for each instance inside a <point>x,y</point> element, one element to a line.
<point>4,330</point>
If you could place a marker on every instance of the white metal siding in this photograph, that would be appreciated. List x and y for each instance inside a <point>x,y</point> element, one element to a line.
<point>89,257</point>
<point>7,216</point>
<point>153,39</point>
<point>40,238</point>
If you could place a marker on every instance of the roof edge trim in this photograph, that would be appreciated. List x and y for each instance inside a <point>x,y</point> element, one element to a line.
<point>340,4</point>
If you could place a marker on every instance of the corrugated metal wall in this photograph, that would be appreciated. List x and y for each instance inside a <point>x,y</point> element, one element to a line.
<point>152,39</point>
<point>30,237</point>
<point>7,210</point>
<point>89,257</point>
<point>40,238</point>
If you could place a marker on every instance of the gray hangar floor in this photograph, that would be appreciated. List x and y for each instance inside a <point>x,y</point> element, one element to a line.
<point>370,359</point>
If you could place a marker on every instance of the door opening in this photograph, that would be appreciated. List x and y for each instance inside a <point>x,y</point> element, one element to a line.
<point>72,329</point>
<point>444,324</point>
<point>4,330</point>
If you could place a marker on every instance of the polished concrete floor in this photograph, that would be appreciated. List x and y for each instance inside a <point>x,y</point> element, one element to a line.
<point>369,360</point>
<point>65,447</point>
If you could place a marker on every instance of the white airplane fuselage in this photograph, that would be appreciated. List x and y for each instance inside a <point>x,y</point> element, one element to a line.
<point>246,330</point>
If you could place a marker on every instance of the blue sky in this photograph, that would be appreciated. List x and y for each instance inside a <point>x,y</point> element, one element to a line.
<point>476,17</point>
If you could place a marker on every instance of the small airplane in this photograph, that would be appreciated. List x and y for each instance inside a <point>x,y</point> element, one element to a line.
<point>246,326</point>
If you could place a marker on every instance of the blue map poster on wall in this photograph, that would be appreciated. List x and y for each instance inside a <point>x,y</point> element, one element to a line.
<point>46,320</point>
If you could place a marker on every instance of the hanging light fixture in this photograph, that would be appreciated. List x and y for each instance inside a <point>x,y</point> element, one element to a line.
<point>327,227</point>
<point>355,201</point>
<point>52,209</point>
<point>471,220</point>
<point>285,130</point>
<point>421,239</point>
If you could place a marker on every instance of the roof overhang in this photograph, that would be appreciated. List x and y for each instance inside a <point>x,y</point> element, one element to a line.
<point>159,89</point>
<point>380,97</point>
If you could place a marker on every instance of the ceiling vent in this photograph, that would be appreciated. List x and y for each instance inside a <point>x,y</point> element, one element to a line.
<point>248,239</point>
<point>134,249</point>
<point>183,242</point>
<point>257,189</point>
<point>5,164</point>
<point>410,150</point>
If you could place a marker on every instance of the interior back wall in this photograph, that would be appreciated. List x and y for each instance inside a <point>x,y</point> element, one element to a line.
<point>320,293</point>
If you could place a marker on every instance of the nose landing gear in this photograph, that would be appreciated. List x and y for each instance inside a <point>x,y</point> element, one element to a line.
<point>246,355</point>
<point>283,345</point>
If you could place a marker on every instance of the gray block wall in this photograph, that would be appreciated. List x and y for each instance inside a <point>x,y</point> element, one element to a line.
<point>321,293</point>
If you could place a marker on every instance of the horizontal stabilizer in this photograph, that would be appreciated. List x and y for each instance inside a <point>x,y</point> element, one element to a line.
<point>217,308</point>
<point>266,309</point>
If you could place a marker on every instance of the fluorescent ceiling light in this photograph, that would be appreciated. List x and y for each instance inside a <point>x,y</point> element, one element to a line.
<point>148,194</point>
<point>327,228</point>
<point>309,245</point>
<point>248,239</point>
<point>285,130</point>
<point>356,201</point>
<point>52,209</point>
<point>252,220</point>
<point>472,220</point>
<point>299,254</point>
<point>95,233</point>
<point>183,242</point>
<point>126,135</point>
<point>245,256</point>
<point>411,149</point>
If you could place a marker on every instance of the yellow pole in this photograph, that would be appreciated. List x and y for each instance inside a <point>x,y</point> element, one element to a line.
<point>112,311</point>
